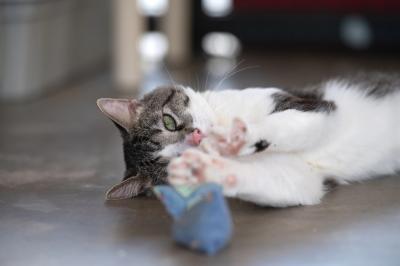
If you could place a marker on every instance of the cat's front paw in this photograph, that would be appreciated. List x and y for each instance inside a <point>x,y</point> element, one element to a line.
<point>228,144</point>
<point>196,167</point>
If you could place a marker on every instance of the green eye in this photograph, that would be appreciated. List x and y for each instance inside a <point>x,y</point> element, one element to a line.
<point>169,122</point>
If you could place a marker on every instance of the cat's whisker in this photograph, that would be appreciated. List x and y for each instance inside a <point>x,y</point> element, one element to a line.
<point>236,66</point>
<point>205,84</point>
<point>169,75</point>
<point>227,73</point>
<point>198,81</point>
<point>232,74</point>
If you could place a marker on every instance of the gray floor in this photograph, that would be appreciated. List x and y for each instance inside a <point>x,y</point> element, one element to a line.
<point>59,154</point>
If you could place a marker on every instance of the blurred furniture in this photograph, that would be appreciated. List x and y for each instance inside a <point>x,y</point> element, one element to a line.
<point>130,24</point>
<point>177,26</point>
<point>46,43</point>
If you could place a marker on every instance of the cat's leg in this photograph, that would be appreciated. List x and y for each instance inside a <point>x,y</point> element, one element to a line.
<point>287,131</point>
<point>276,180</point>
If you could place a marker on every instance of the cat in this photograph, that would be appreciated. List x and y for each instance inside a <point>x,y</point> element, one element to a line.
<point>269,146</point>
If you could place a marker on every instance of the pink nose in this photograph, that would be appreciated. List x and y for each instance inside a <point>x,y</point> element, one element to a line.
<point>195,137</point>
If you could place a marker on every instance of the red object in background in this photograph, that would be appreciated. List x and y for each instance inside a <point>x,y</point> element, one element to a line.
<point>369,6</point>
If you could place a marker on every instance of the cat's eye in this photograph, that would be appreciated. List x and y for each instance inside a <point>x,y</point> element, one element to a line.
<point>169,122</point>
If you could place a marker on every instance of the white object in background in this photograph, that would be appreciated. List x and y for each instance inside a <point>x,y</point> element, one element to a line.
<point>153,46</point>
<point>221,44</point>
<point>217,8</point>
<point>153,7</point>
<point>128,28</point>
<point>356,32</point>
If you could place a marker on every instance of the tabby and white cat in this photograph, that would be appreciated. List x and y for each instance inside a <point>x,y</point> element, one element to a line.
<point>265,145</point>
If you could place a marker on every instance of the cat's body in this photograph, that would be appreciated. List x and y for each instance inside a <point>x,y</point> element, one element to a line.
<point>277,148</point>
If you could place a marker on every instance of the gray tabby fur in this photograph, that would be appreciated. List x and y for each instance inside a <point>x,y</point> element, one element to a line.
<point>147,137</point>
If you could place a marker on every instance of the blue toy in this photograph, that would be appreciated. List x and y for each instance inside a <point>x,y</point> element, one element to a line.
<point>202,220</point>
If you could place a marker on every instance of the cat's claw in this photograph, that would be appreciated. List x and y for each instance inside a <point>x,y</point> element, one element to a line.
<point>196,167</point>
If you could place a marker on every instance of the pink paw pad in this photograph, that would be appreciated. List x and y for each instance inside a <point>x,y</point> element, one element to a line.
<point>239,126</point>
<point>217,163</point>
<point>231,180</point>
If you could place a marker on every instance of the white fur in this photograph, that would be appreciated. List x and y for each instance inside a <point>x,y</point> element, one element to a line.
<point>174,150</point>
<point>359,140</point>
<point>202,112</point>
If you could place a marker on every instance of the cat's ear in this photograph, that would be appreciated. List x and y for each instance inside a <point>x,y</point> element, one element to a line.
<point>124,112</point>
<point>128,188</point>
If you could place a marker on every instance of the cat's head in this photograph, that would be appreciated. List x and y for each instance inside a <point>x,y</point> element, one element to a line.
<point>154,129</point>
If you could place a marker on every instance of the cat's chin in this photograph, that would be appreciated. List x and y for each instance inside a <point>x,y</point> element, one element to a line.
<point>174,150</point>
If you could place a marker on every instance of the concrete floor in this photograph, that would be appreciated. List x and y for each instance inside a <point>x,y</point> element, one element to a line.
<point>58,155</point>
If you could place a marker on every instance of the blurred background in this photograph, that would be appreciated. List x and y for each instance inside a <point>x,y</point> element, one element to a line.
<point>47,44</point>
<point>59,154</point>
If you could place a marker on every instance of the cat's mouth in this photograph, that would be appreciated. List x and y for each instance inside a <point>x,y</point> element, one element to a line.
<point>192,139</point>
<point>195,137</point>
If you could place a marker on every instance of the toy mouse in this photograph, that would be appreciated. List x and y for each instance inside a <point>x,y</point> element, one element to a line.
<point>202,220</point>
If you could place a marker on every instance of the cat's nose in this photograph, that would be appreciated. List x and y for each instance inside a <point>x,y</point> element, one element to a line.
<point>195,137</point>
